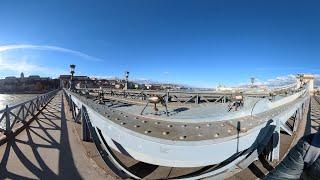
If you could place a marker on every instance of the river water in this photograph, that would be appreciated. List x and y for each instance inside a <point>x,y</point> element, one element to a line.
<point>11,99</point>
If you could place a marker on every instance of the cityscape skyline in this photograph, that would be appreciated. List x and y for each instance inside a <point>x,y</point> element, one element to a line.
<point>200,44</point>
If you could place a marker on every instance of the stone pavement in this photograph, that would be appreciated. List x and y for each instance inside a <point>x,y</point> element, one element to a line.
<point>48,148</point>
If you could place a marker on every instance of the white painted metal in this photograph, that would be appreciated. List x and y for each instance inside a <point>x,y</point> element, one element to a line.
<point>182,153</point>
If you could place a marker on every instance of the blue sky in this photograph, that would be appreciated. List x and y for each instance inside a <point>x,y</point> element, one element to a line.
<point>201,43</point>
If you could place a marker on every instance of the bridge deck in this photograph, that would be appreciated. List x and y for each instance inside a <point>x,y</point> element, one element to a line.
<point>48,149</point>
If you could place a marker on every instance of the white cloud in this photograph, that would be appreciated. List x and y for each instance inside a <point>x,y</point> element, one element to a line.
<point>23,65</point>
<point>104,77</point>
<point>48,48</point>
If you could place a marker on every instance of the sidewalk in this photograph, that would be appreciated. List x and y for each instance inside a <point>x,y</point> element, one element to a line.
<point>48,149</point>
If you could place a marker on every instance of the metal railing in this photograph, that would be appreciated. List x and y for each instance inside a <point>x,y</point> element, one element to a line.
<point>182,96</point>
<point>20,112</point>
<point>267,143</point>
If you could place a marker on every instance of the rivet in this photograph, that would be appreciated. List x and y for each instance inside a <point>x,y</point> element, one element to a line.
<point>165,133</point>
<point>182,137</point>
<point>184,125</point>
<point>136,126</point>
<point>144,121</point>
<point>208,125</point>
<point>198,127</point>
<point>123,123</point>
<point>157,122</point>
<point>147,132</point>
<point>169,125</point>
<point>216,135</point>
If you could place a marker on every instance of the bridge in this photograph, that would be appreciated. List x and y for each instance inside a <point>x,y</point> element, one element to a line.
<point>107,134</point>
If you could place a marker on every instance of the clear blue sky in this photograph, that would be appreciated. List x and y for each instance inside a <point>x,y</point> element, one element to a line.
<point>201,43</point>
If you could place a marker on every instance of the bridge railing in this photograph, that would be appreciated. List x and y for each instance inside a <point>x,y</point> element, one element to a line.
<point>249,142</point>
<point>170,96</point>
<point>14,114</point>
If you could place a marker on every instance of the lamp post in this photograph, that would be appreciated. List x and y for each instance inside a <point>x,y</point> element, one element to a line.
<point>72,86</point>
<point>127,80</point>
<point>252,81</point>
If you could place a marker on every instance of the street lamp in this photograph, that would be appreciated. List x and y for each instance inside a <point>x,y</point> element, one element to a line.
<point>72,68</point>
<point>127,80</point>
<point>127,75</point>
<point>252,81</point>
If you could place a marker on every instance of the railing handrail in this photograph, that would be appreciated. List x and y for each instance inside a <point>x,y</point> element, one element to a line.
<point>10,117</point>
<point>14,106</point>
<point>186,92</point>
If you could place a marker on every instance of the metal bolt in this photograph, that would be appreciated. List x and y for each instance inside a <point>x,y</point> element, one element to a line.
<point>165,133</point>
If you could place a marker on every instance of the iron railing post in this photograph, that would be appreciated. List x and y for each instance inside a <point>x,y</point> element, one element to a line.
<point>23,114</point>
<point>85,128</point>
<point>197,99</point>
<point>7,116</point>
<point>70,102</point>
<point>37,103</point>
<point>276,142</point>
<point>167,98</point>
<point>297,120</point>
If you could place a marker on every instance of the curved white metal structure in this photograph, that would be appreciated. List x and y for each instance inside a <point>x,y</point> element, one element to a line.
<point>178,150</point>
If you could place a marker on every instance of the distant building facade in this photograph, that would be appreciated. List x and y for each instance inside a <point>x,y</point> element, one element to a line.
<point>87,82</point>
<point>32,84</point>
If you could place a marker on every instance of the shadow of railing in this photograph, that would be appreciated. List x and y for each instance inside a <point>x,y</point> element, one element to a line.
<point>30,152</point>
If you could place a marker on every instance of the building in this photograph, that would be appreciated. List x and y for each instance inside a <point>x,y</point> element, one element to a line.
<point>32,84</point>
<point>64,80</point>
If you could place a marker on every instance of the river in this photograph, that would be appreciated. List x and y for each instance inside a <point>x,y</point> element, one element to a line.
<point>11,99</point>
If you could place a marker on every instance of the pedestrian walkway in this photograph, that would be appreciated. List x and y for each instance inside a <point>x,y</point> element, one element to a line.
<point>314,117</point>
<point>48,149</point>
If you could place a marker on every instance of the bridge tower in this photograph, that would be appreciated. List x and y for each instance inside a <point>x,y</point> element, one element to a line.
<point>307,79</point>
